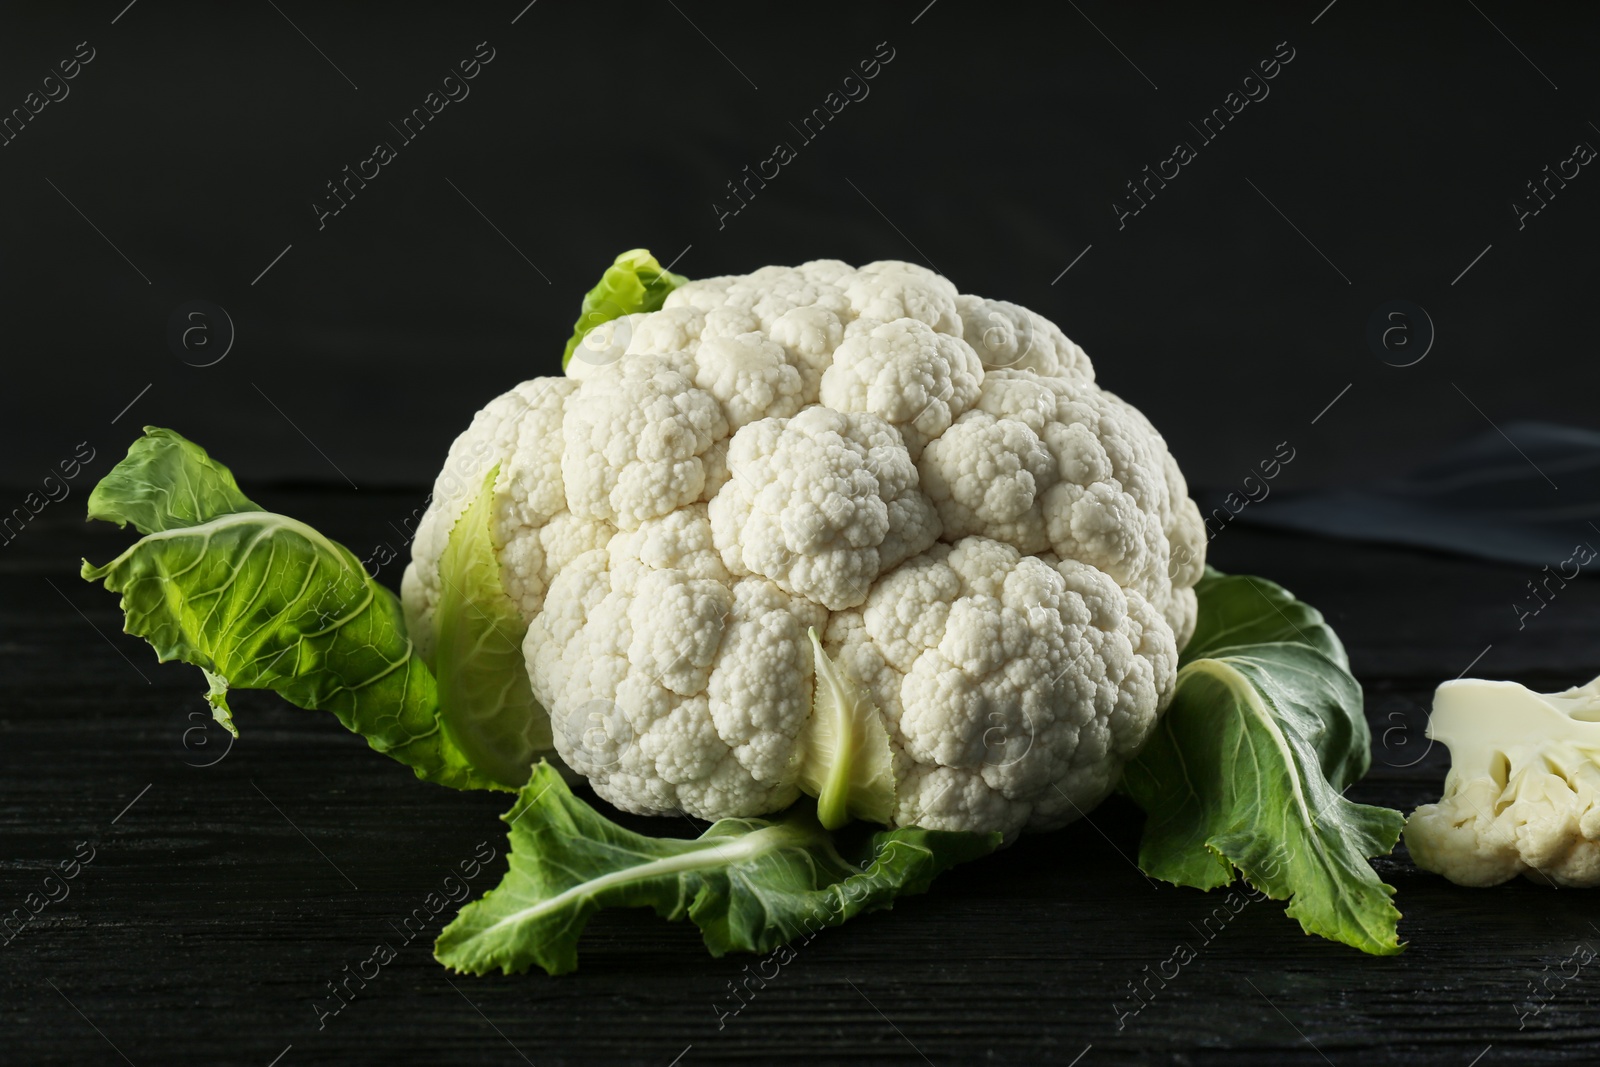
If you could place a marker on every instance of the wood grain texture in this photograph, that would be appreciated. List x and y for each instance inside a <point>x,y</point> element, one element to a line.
<point>220,904</point>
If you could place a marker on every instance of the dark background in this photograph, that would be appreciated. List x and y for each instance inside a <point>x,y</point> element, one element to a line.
<point>992,146</point>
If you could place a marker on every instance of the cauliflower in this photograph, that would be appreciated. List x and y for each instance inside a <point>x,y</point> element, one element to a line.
<point>1000,554</point>
<point>1523,792</point>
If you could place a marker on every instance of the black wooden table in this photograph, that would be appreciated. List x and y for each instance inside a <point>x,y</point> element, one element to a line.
<point>228,886</point>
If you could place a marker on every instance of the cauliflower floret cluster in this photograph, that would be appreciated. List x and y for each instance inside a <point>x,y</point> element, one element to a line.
<point>1002,553</point>
<point>1523,792</point>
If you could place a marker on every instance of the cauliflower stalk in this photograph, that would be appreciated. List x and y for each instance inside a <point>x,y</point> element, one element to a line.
<point>1000,554</point>
<point>1523,792</point>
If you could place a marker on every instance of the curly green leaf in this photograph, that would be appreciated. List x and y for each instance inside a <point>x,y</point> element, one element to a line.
<point>258,600</point>
<point>485,699</point>
<point>750,885</point>
<point>634,283</point>
<point>1248,766</point>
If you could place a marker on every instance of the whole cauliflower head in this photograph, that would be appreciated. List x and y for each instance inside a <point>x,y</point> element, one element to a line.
<point>1523,792</point>
<point>1001,554</point>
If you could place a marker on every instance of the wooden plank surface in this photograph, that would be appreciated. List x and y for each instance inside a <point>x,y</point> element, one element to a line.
<point>219,905</point>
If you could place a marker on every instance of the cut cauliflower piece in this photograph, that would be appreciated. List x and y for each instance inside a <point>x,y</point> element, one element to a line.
<point>997,552</point>
<point>1523,792</point>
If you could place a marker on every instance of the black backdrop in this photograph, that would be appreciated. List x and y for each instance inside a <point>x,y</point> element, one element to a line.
<point>182,165</point>
<point>188,154</point>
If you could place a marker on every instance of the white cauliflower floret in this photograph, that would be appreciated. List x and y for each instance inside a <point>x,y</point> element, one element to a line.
<point>750,375</point>
<point>809,335</point>
<point>1009,337</point>
<point>1061,466</point>
<point>634,437</point>
<point>1523,792</point>
<point>913,378</point>
<point>1004,678</point>
<point>700,685</point>
<point>998,552</point>
<point>822,504</point>
<point>889,291</point>
<point>663,332</point>
<point>989,475</point>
